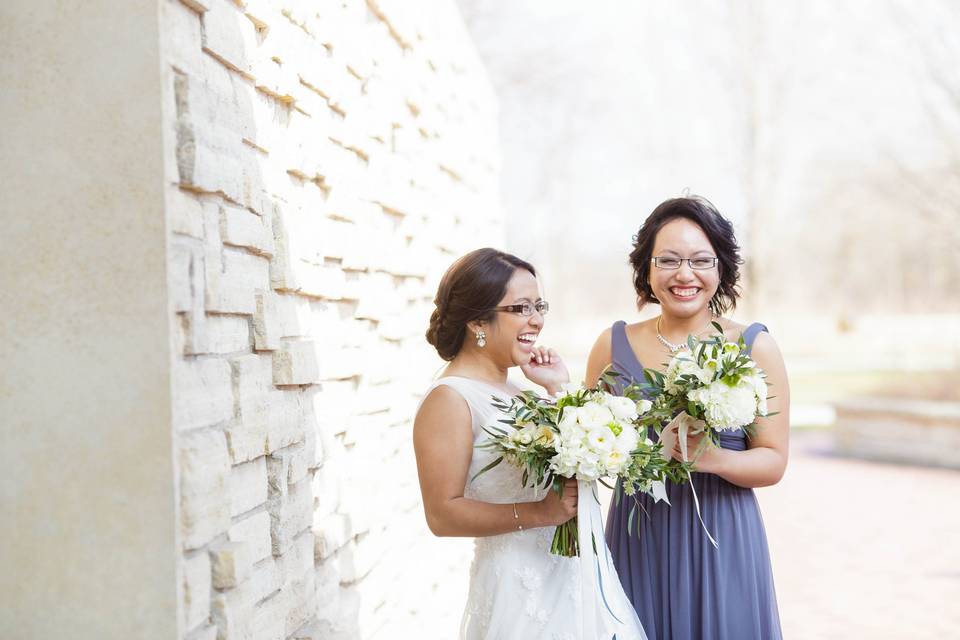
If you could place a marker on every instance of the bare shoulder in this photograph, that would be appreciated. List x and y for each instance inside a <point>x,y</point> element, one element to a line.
<point>764,346</point>
<point>601,346</point>
<point>442,405</point>
<point>601,355</point>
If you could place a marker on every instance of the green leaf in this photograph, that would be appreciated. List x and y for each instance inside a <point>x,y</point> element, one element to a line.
<point>487,468</point>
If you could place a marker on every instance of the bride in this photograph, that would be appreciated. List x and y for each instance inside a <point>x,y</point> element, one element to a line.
<point>487,318</point>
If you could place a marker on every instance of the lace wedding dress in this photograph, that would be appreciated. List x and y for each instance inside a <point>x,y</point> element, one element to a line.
<point>518,589</point>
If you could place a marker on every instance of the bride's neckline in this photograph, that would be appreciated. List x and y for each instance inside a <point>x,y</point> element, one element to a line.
<point>510,392</point>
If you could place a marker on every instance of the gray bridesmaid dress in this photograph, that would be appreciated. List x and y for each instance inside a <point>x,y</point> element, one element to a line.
<point>681,586</point>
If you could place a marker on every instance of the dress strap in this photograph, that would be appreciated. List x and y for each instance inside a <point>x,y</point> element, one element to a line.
<point>618,339</point>
<point>751,332</point>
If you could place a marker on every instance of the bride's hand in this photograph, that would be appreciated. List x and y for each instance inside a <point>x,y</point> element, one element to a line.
<point>546,369</point>
<point>556,510</point>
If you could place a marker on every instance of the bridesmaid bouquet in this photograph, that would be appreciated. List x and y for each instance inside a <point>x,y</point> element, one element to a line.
<point>583,433</point>
<point>711,386</point>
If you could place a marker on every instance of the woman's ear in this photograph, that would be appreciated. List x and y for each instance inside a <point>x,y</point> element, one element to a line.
<point>474,325</point>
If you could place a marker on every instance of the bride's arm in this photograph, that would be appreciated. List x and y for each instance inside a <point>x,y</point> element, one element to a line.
<point>443,443</point>
<point>765,460</point>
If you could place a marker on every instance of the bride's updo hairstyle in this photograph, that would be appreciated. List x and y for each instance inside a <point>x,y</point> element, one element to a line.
<point>718,230</point>
<point>473,285</point>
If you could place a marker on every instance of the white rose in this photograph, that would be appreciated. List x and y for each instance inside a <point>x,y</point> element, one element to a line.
<point>571,388</point>
<point>623,409</point>
<point>523,436</point>
<point>544,435</point>
<point>569,418</point>
<point>643,406</point>
<point>594,414</point>
<point>681,364</point>
<point>708,371</point>
<point>615,461</point>
<point>571,431</point>
<point>729,352</point>
<point>601,439</point>
<point>626,441</point>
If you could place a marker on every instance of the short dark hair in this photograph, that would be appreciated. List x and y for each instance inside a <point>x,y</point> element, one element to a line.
<point>473,285</point>
<point>718,230</point>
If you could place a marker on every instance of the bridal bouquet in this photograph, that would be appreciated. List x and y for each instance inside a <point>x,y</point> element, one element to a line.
<point>583,433</point>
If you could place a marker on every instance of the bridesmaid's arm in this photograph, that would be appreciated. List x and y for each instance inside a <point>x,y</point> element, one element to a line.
<point>765,460</point>
<point>599,359</point>
<point>443,443</point>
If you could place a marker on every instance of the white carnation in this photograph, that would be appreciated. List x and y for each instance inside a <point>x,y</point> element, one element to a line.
<point>564,463</point>
<point>589,469</point>
<point>759,385</point>
<point>726,407</point>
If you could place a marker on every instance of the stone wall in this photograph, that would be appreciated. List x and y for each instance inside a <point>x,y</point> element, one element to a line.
<point>86,493</point>
<point>325,161</point>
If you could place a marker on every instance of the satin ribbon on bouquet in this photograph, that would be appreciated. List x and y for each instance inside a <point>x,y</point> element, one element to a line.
<point>616,620</point>
<point>686,425</point>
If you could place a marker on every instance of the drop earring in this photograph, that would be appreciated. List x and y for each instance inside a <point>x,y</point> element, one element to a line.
<point>481,338</point>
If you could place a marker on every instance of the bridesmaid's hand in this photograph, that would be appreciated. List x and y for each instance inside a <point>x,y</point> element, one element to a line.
<point>546,369</point>
<point>705,455</point>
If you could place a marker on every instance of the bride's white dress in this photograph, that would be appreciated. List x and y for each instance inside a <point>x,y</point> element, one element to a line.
<point>518,589</point>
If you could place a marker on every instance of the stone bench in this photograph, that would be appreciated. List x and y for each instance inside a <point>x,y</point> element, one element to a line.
<point>899,430</point>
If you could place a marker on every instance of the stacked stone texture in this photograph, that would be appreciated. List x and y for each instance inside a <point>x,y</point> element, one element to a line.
<point>325,162</point>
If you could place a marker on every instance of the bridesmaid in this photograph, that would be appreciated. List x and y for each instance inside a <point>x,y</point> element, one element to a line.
<point>686,259</point>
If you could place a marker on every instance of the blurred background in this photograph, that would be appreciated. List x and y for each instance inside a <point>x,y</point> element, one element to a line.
<point>829,133</point>
<point>219,260</point>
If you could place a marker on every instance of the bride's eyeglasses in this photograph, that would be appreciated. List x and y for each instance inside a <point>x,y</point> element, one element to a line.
<point>527,308</point>
<point>698,264</point>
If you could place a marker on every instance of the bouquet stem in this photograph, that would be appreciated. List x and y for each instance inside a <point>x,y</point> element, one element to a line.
<point>566,540</point>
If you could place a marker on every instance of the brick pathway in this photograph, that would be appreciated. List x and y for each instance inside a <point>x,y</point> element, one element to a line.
<point>864,550</point>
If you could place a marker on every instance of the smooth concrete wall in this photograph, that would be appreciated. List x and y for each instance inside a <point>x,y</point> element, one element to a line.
<point>87,532</point>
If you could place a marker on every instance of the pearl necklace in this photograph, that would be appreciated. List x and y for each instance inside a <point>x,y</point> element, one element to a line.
<point>677,347</point>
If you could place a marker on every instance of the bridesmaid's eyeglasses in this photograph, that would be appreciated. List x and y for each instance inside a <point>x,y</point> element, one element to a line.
<point>527,308</point>
<point>698,264</point>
